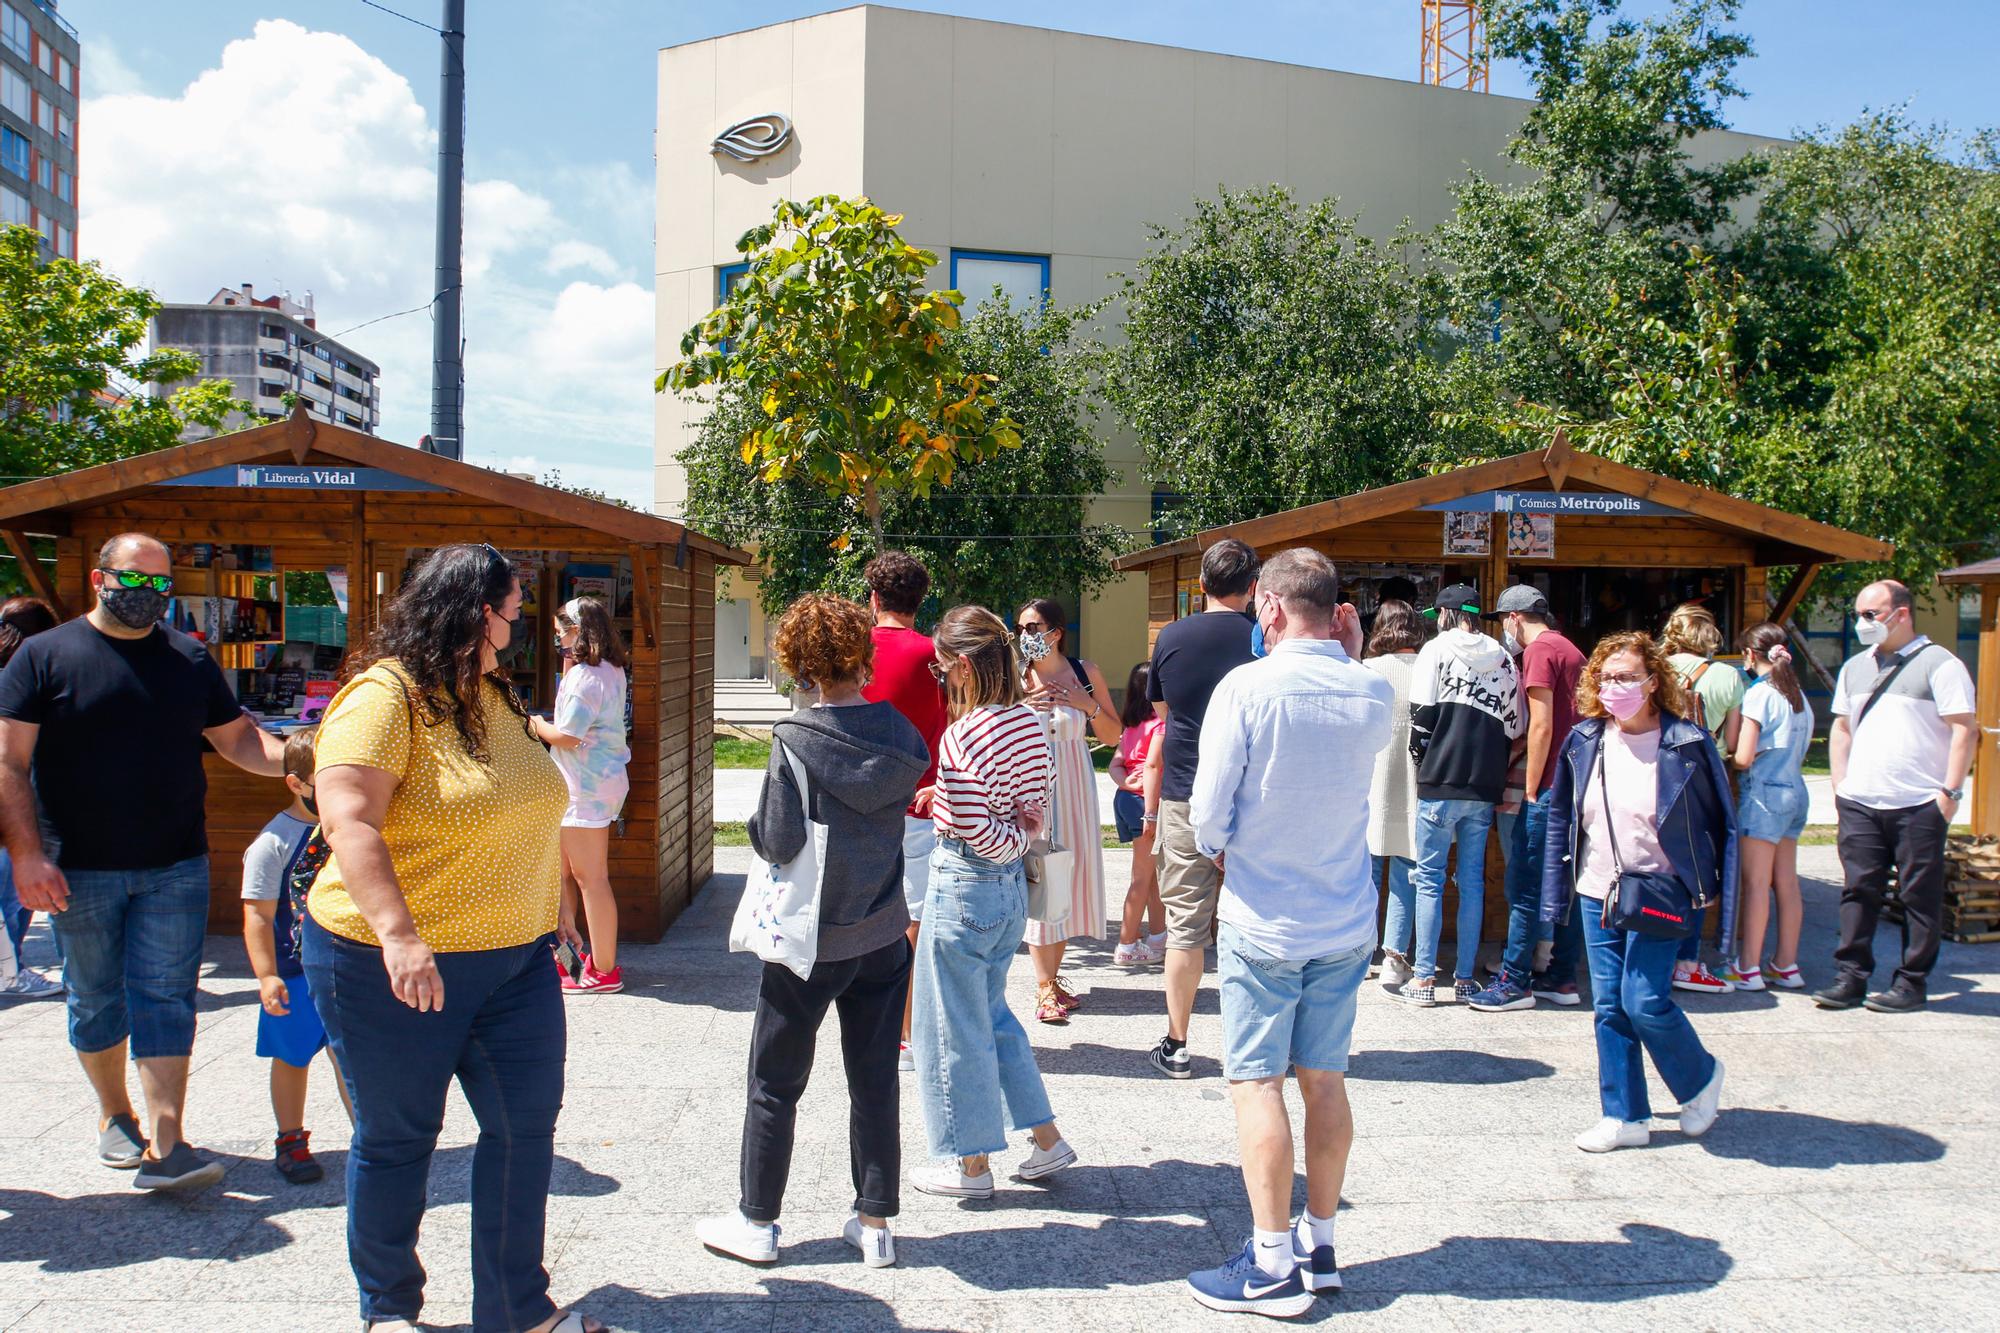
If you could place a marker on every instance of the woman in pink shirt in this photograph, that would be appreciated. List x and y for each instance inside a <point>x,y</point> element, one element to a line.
<point>1129,772</point>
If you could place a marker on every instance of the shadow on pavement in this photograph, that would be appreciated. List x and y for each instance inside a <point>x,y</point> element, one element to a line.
<point>1445,1066</point>
<point>1128,1000</point>
<point>1816,1142</point>
<point>1094,1058</point>
<point>1649,1261</point>
<point>631,1311</point>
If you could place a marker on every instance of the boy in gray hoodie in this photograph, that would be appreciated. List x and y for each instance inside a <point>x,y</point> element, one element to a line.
<point>862,762</point>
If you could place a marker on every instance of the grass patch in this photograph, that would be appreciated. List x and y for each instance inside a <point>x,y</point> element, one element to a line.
<point>1816,763</point>
<point>734,752</point>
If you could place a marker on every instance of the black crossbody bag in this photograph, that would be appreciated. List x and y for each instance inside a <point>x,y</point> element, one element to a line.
<point>1641,901</point>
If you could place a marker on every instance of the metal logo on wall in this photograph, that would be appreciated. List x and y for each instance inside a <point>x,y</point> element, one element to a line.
<point>757,137</point>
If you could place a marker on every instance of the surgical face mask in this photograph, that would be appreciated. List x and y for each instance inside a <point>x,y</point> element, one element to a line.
<point>1871,632</point>
<point>1035,646</point>
<point>134,608</point>
<point>1258,648</point>
<point>1511,644</point>
<point>1622,700</point>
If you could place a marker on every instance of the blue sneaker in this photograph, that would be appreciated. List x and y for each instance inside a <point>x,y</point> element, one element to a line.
<point>1317,1268</point>
<point>1501,996</point>
<point>1240,1287</point>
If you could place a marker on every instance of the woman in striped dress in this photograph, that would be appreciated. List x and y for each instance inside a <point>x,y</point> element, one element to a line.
<point>1071,694</point>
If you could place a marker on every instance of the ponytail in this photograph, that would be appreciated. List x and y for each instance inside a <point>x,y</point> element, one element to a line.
<point>1769,642</point>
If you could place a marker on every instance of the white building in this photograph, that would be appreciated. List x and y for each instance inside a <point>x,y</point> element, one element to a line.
<point>1030,157</point>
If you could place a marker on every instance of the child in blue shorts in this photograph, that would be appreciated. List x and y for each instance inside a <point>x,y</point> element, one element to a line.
<point>288,1030</point>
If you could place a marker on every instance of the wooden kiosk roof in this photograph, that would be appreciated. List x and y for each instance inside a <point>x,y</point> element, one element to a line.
<point>1778,538</point>
<point>43,507</point>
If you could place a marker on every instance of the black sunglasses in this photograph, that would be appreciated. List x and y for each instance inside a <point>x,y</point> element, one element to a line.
<point>134,578</point>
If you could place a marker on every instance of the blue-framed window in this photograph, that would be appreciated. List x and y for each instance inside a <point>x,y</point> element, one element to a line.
<point>1024,278</point>
<point>14,152</point>
<point>726,278</point>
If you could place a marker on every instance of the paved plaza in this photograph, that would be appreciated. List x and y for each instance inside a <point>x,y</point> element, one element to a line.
<point>1853,1180</point>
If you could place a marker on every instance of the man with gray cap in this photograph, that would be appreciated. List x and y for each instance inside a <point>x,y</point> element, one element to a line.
<point>1550,668</point>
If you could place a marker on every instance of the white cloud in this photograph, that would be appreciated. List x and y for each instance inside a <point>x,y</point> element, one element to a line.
<point>105,71</point>
<point>303,161</point>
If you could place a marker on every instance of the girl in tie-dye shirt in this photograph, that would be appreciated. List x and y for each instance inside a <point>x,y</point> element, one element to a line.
<point>587,740</point>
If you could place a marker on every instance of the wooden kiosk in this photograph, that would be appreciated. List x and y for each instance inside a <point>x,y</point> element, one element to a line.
<point>241,511</point>
<point>1611,546</point>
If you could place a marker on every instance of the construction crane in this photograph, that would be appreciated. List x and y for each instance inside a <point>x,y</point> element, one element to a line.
<point>1454,45</point>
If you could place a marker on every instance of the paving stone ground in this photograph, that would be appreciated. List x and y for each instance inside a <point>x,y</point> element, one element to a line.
<point>1850,1183</point>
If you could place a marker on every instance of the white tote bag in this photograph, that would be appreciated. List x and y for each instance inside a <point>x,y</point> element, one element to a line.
<point>778,917</point>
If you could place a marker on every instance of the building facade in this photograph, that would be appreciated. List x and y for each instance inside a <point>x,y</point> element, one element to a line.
<point>1029,158</point>
<point>266,347</point>
<point>39,91</point>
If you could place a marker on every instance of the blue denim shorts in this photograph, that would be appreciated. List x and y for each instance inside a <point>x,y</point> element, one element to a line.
<point>131,944</point>
<point>1128,811</point>
<point>299,1035</point>
<point>1772,811</point>
<point>1278,1015</point>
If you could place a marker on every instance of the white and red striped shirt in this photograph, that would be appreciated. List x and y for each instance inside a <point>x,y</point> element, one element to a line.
<point>994,767</point>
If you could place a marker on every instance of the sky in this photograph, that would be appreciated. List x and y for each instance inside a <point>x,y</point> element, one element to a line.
<point>293,146</point>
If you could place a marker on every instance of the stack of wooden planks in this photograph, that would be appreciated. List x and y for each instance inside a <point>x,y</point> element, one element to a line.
<point>1972,890</point>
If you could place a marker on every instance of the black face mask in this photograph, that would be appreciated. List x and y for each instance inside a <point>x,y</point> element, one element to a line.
<point>134,608</point>
<point>517,639</point>
<point>311,805</point>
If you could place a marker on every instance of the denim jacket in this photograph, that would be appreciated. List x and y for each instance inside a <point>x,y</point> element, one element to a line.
<point>1696,816</point>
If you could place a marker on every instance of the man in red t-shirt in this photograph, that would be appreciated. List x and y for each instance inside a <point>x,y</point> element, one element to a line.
<point>897,585</point>
<point>1550,668</point>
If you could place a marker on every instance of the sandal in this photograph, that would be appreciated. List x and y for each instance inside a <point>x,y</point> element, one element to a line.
<point>573,1321</point>
<point>1048,1004</point>
<point>1066,996</point>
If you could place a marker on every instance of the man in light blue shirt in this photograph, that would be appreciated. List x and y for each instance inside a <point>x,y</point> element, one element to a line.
<point>1281,798</point>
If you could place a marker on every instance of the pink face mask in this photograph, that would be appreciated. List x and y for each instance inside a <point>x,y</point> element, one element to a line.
<point>1622,700</point>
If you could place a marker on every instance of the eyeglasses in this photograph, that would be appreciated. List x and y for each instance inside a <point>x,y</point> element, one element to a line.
<point>938,671</point>
<point>1876,615</point>
<point>1626,678</point>
<point>133,578</point>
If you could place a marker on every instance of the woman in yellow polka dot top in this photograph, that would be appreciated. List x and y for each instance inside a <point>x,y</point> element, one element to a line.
<point>428,935</point>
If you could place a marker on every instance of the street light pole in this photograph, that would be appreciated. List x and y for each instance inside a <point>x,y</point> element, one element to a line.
<point>447,349</point>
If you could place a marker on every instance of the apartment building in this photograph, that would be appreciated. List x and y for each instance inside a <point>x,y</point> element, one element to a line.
<point>266,347</point>
<point>39,90</point>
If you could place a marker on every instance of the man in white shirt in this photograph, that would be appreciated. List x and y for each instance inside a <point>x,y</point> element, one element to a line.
<point>1287,756</point>
<point>1904,728</point>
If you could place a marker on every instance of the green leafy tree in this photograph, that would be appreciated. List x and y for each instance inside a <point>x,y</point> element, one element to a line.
<point>73,377</point>
<point>1012,526</point>
<point>1273,356</point>
<point>833,336</point>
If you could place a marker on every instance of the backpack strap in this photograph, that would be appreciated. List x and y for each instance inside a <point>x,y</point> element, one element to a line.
<point>1888,678</point>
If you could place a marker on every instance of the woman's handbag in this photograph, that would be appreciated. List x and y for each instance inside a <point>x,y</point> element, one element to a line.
<point>1642,902</point>
<point>1048,862</point>
<point>778,916</point>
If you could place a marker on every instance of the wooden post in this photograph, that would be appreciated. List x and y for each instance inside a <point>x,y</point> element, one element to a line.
<point>1986,757</point>
<point>360,579</point>
<point>23,548</point>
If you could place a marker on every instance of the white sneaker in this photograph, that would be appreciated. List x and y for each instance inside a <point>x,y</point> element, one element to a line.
<point>1786,977</point>
<point>1743,978</point>
<point>1395,970</point>
<point>1136,954</point>
<point>1045,1161</point>
<point>1698,1114</point>
<point>28,984</point>
<point>947,1181</point>
<point>1608,1133</point>
<point>905,1061</point>
<point>738,1237</point>
<point>877,1246</point>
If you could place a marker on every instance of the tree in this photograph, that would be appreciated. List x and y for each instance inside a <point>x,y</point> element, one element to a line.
<point>831,334</point>
<point>1273,356</point>
<point>1012,526</point>
<point>72,379</point>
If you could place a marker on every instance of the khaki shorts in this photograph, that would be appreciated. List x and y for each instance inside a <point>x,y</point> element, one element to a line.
<point>1189,882</point>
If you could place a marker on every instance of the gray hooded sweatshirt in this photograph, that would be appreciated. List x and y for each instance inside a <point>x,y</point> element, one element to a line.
<point>863,763</point>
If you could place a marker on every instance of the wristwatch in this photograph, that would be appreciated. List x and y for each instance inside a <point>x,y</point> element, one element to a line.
<point>1956,793</point>
<point>1149,819</point>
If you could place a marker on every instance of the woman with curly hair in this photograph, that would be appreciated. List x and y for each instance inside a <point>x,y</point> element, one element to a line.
<point>862,762</point>
<point>1638,789</point>
<point>442,811</point>
<point>587,741</point>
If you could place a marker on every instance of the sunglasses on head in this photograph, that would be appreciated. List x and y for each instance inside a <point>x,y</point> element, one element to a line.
<point>133,578</point>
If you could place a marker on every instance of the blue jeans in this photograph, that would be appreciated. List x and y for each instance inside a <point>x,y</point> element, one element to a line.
<point>501,1034</point>
<point>1439,824</point>
<point>1631,983</point>
<point>15,916</point>
<point>971,1056</point>
<point>1401,912</point>
<point>131,942</point>
<point>1524,904</point>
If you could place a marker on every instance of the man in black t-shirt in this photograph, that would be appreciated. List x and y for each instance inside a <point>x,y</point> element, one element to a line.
<point>101,723</point>
<point>1190,658</point>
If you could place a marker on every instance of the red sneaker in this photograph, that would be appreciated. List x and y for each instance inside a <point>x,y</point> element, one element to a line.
<point>1697,977</point>
<point>594,982</point>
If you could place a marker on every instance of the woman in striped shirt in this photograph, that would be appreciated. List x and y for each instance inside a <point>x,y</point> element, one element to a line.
<point>975,1070</point>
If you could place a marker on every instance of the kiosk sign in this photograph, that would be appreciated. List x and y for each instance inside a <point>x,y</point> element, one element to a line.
<point>304,477</point>
<point>1584,503</point>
